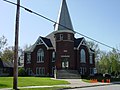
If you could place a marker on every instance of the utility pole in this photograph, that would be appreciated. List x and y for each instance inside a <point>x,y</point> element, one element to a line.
<point>15,78</point>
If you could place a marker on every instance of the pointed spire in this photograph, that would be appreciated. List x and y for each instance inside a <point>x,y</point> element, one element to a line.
<point>64,18</point>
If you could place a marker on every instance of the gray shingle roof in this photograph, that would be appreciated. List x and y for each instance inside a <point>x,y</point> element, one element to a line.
<point>46,41</point>
<point>5,63</point>
<point>77,41</point>
<point>64,18</point>
<point>30,48</point>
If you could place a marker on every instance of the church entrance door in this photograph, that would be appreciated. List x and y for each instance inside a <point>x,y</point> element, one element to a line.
<point>65,63</point>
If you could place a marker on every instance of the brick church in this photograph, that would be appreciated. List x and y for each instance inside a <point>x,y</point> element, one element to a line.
<point>60,51</point>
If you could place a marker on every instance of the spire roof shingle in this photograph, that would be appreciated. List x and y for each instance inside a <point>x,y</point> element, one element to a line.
<point>64,18</point>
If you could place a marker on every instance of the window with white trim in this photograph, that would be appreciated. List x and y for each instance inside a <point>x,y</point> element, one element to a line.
<point>91,58</point>
<point>40,56</point>
<point>61,36</point>
<point>29,71</point>
<point>53,68</point>
<point>82,56</point>
<point>69,36</point>
<point>28,57</point>
<point>82,70</point>
<point>37,71</point>
<point>91,71</point>
<point>40,71</point>
<point>53,56</point>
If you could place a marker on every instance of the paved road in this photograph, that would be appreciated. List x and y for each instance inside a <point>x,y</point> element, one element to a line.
<point>107,87</point>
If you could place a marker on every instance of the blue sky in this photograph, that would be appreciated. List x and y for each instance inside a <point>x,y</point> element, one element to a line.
<point>98,19</point>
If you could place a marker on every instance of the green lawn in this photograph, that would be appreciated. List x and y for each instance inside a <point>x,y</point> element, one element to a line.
<point>7,82</point>
<point>86,80</point>
<point>51,88</point>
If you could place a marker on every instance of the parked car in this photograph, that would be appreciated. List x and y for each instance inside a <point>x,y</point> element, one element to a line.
<point>106,75</point>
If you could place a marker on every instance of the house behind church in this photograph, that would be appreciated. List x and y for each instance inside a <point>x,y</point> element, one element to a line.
<point>6,68</point>
<point>60,50</point>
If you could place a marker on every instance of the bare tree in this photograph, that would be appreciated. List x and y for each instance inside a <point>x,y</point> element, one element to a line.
<point>3,43</point>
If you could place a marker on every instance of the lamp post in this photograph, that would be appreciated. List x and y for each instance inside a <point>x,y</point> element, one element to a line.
<point>15,81</point>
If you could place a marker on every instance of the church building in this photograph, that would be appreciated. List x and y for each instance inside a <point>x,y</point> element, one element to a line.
<point>60,53</point>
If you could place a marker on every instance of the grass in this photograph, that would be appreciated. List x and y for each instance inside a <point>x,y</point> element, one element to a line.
<point>51,88</point>
<point>86,80</point>
<point>7,82</point>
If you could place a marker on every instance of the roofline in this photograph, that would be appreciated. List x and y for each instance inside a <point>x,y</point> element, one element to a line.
<point>63,12</point>
<point>61,31</point>
<point>43,42</point>
<point>35,44</point>
<point>80,43</point>
<point>84,45</point>
<point>58,17</point>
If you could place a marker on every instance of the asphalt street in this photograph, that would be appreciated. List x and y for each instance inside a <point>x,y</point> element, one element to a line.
<point>107,87</point>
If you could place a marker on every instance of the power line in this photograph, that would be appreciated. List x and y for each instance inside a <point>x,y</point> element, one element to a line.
<point>95,40</point>
<point>31,11</point>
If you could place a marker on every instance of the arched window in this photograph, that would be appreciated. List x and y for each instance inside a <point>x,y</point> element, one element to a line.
<point>91,58</point>
<point>40,55</point>
<point>28,57</point>
<point>83,56</point>
<point>53,56</point>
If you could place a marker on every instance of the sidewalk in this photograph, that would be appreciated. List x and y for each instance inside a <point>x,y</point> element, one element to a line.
<point>74,83</point>
<point>78,83</point>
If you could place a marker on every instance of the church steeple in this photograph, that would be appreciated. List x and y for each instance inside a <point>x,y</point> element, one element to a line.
<point>64,18</point>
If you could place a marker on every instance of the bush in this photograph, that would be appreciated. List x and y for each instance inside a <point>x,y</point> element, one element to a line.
<point>98,75</point>
<point>21,72</point>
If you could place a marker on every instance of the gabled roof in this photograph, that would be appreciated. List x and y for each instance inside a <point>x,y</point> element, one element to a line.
<point>64,18</point>
<point>51,36</point>
<point>47,41</point>
<point>81,41</point>
<point>30,49</point>
<point>40,40</point>
<point>5,63</point>
<point>77,41</point>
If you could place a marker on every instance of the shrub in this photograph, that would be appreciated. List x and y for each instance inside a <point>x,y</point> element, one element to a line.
<point>21,72</point>
<point>98,75</point>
